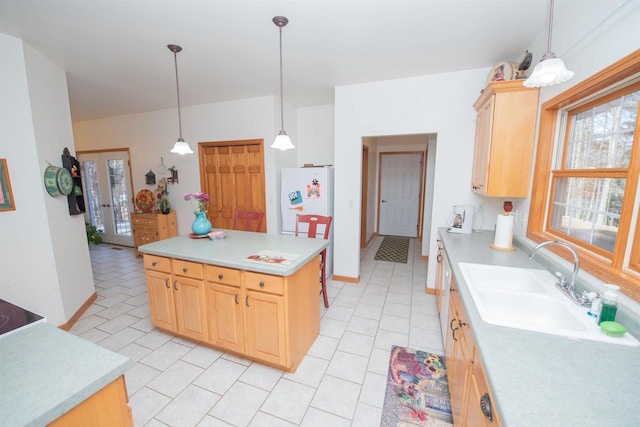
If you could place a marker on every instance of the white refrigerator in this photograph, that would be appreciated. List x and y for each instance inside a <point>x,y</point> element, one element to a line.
<point>307,191</point>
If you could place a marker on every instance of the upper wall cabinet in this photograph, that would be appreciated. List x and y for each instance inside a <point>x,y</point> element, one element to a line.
<point>505,128</point>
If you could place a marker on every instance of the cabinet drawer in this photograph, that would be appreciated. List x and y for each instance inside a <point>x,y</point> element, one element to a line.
<point>264,283</point>
<point>227,276</point>
<point>157,263</point>
<point>149,220</point>
<point>187,269</point>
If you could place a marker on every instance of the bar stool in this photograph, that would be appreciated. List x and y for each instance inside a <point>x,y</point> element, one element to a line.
<point>314,221</point>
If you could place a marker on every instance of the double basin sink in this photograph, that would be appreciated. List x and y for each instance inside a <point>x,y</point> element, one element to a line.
<point>528,299</point>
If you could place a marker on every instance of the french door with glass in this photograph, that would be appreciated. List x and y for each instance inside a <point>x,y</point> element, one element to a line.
<point>107,190</point>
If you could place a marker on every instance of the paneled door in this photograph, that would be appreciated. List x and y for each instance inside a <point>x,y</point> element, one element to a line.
<point>106,181</point>
<point>233,177</point>
<point>400,175</point>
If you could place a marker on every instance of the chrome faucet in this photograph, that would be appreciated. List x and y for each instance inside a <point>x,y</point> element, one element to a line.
<point>570,288</point>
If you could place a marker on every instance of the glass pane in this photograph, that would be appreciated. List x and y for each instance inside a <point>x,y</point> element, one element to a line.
<point>602,136</point>
<point>588,209</point>
<point>90,174</point>
<point>117,186</point>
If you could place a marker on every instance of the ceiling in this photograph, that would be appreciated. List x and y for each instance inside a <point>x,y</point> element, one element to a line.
<point>117,62</point>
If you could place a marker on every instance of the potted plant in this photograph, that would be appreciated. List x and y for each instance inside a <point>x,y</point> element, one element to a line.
<point>93,235</point>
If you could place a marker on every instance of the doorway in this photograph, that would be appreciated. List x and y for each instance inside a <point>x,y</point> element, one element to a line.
<point>400,193</point>
<point>106,181</point>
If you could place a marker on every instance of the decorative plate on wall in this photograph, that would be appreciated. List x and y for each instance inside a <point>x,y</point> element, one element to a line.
<point>65,181</point>
<point>145,201</point>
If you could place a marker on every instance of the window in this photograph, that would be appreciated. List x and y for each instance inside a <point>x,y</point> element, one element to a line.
<point>588,195</point>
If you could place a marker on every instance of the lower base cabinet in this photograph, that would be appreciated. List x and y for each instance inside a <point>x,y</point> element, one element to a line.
<point>271,319</point>
<point>106,408</point>
<point>471,401</point>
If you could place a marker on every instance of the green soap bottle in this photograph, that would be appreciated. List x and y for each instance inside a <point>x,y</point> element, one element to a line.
<point>609,307</point>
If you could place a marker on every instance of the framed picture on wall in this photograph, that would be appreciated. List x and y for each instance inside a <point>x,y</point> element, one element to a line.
<point>6,196</point>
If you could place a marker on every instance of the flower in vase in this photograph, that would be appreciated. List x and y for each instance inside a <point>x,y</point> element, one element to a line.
<point>198,201</point>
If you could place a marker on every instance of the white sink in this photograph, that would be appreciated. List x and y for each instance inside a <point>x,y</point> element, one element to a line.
<point>524,298</point>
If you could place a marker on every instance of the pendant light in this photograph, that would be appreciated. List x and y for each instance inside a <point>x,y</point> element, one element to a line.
<point>282,141</point>
<point>550,70</point>
<point>180,146</point>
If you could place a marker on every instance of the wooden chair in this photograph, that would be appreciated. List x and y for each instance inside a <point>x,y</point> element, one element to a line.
<point>252,220</point>
<point>314,221</point>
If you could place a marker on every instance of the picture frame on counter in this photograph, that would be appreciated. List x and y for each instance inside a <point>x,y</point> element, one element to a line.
<point>6,194</point>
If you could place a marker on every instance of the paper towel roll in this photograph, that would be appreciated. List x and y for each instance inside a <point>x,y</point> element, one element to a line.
<point>504,231</point>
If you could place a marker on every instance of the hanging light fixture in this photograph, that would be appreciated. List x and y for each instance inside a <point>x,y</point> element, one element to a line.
<point>180,146</point>
<point>550,70</point>
<point>282,141</point>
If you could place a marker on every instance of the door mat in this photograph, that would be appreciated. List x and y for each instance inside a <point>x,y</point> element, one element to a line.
<point>393,249</point>
<point>417,392</point>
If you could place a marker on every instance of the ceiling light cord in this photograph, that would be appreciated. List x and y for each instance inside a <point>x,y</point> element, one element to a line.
<point>175,59</point>
<point>282,141</point>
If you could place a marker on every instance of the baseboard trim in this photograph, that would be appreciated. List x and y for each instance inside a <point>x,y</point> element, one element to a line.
<point>80,312</point>
<point>345,278</point>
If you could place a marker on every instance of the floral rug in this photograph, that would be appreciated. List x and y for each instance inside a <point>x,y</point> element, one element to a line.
<point>417,391</point>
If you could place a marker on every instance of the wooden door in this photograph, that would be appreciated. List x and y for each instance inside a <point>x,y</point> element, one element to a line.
<point>225,316</point>
<point>191,308</point>
<point>161,302</point>
<point>233,176</point>
<point>265,327</point>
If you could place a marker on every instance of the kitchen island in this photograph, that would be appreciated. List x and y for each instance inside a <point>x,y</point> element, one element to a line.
<point>539,379</point>
<point>252,294</point>
<point>51,377</point>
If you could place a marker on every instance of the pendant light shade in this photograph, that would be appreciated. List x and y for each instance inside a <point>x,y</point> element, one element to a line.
<point>282,141</point>
<point>550,70</point>
<point>180,147</point>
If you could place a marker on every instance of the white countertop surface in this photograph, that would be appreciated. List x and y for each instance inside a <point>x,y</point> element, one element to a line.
<point>45,371</point>
<point>546,380</point>
<point>238,245</point>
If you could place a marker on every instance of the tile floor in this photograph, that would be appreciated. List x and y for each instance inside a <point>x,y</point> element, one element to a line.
<point>341,381</point>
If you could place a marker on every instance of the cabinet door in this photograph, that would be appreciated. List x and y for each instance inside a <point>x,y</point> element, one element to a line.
<point>225,316</point>
<point>265,328</point>
<point>484,120</point>
<point>161,300</point>
<point>190,308</point>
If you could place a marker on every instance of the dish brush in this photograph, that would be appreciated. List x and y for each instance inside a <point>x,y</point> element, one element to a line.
<point>613,329</point>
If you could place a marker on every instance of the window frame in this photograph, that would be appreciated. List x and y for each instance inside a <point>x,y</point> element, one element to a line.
<point>551,128</point>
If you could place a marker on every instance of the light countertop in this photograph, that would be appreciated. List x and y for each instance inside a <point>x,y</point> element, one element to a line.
<point>45,371</point>
<point>236,247</point>
<point>545,380</point>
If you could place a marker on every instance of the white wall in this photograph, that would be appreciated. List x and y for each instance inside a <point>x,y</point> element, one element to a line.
<point>151,135</point>
<point>439,104</point>
<point>315,135</point>
<point>44,260</point>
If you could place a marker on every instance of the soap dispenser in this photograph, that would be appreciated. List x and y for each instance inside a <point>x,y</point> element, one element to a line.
<point>609,307</point>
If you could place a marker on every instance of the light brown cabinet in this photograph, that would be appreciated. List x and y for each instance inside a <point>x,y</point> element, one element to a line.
<point>268,318</point>
<point>151,227</point>
<point>106,408</point>
<point>505,129</point>
<point>467,383</point>
<point>176,296</point>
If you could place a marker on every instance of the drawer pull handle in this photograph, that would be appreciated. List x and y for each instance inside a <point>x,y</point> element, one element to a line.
<point>485,406</point>
<point>451,324</point>
<point>261,284</point>
<point>236,298</point>
<point>166,282</point>
<point>184,269</point>
<point>453,334</point>
<point>153,264</point>
<point>175,285</point>
<point>220,276</point>
<point>246,300</point>
<point>439,258</point>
